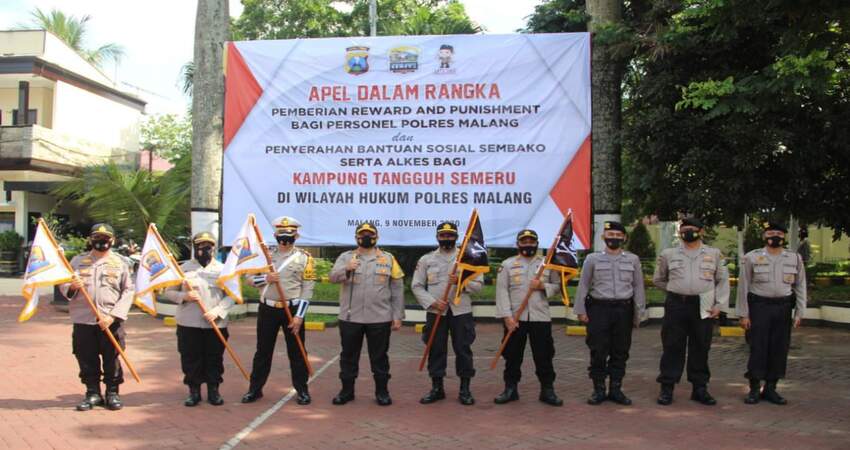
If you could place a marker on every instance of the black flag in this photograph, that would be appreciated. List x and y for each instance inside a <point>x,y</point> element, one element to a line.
<point>473,261</point>
<point>564,258</point>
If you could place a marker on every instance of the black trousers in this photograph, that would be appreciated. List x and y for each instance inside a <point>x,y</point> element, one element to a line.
<point>769,337</point>
<point>542,349</point>
<point>683,331</point>
<point>96,355</point>
<point>201,355</point>
<point>269,322</point>
<point>609,338</point>
<point>462,330</point>
<point>377,340</point>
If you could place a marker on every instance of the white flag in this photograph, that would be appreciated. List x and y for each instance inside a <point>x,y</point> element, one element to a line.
<point>245,257</point>
<point>157,270</point>
<point>45,267</point>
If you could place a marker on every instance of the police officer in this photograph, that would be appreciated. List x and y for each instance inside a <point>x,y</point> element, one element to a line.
<point>516,276</point>
<point>371,304</point>
<point>433,272</point>
<point>106,278</point>
<point>771,282</point>
<point>297,277</point>
<point>610,300</point>
<point>697,284</point>
<point>201,351</point>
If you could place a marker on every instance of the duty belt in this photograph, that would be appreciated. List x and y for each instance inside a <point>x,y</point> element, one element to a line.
<point>753,298</point>
<point>682,298</point>
<point>279,304</point>
<point>610,301</point>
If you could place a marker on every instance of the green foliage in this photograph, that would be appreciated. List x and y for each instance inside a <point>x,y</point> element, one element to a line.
<point>73,245</point>
<point>168,135</point>
<point>72,30</point>
<point>640,243</point>
<point>753,235</point>
<point>10,241</point>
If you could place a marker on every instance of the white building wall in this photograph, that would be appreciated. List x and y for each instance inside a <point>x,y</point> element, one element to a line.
<point>78,112</point>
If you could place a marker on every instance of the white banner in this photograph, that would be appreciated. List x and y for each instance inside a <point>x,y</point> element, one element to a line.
<point>408,132</point>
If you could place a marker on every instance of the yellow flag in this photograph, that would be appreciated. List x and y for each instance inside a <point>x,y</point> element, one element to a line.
<point>157,270</point>
<point>46,267</point>
<point>245,257</point>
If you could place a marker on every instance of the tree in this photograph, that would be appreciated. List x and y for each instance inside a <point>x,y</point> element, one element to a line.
<point>640,243</point>
<point>168,135</point>
<point>72,30</point>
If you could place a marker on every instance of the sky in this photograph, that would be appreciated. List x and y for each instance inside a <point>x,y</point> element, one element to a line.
<point>158,35</point>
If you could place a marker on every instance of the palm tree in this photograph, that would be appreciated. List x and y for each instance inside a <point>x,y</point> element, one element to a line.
<point>72,30</point>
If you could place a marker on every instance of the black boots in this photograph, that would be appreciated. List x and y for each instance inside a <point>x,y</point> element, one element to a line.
<point>194,396</point>
<point>753,396</point>
<point>465,395</point>
<point>666,396</point>
<point>769,393</point>
<point>346,394</point>
<point>700,394</point>
<point>598,395</point>
<point>436,393</point>
<point>616,395</point>
<point>382,394</point>
<point>548,396</point>
<point>92,398</point>
<point>213,396</point>
<point>302,396</point>
<point>252,395</point>
<point>113,401</point>
<point>510,394</point>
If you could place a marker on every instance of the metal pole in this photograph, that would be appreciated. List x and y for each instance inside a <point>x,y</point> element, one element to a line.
<point>373,18</point>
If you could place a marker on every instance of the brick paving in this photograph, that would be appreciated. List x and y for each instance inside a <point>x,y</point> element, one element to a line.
<point>39,388</point>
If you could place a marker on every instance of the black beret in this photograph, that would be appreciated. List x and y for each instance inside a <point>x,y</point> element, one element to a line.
<point>615,226</point>
<point>775,226</point>
<point>692,221</point>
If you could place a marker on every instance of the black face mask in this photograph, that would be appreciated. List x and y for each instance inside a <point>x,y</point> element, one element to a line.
<point>775,241</point>
<point>447,244</point>
<point>690,236</point>
<point>614,243</point>
<point>203,255</point>
<point>528,250</point>
<point>101,245</point>
<point>366,241</point>
<point>285,240</point>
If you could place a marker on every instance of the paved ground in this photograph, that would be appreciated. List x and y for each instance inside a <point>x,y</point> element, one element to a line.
<point>39,388</point>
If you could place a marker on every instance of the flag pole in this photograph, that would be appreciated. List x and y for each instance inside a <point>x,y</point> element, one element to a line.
<point>91,303</point>
<point>201,304</point>
<point>448,288</point>
<point>283,299</point>
<point>530,291</point>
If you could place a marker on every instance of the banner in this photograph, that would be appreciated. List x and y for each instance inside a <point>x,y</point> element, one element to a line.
<point>45,267</point>
<point>157,270</point>
<point>407,132</point>
<point>246,257</point>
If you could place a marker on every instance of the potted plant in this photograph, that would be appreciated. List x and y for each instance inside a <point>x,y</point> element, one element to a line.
<point>10,246</point>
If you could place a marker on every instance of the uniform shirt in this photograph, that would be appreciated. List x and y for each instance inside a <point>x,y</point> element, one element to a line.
<point>694,272</point>
<point>430,279</point>
<point>515,275</point>
<point>375,291</point>
<point>611,277</point>
<point>203,280</point>
<point>109,284</point>
<point>297,278</point>
<point>771,276</point>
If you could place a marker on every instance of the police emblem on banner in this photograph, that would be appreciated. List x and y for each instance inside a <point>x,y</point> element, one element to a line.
<point>154,265</point>
<point>37,262</point>
<point>357,60</point>
<point>242,249</point>
<point>404,59</point>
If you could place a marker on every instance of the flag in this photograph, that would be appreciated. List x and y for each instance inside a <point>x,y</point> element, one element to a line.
<point>564,258</point>
<point>46,266</point>
<point>246,257</point>
<point>473,261</point>
<point>157,270</point>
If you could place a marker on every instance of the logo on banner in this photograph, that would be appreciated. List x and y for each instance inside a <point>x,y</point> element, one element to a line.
<point>357,60</point>
<point>242,250</point>
<point>404,59</point>
<point>38,262</point>
<point>446,56</point>
<point>154,265</point>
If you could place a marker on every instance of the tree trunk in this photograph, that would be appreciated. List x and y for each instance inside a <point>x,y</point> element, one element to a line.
<point>211,30</point>
<point>606,76</point>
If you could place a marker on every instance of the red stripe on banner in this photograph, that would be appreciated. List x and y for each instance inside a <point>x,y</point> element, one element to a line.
<point>241,92</point>
<point>572,191</point>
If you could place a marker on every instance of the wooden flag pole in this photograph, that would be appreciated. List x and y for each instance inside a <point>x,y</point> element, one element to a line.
<point>527,297</point>
<point>283,299</point>
<point>91,303</point>
<point>202,306</point>
<point>446,292</point>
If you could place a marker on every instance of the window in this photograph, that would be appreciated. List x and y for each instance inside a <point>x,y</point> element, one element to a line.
<point>32,117</point>
<point>7,221</point>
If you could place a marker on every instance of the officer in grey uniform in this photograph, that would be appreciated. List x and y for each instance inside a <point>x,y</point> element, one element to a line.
<point>295,272</point>
<point>697,284</point>
<point>516,276</point>
<point>201,351</point>
<point>433,272</point>
<point>106,278</point>
<point>610,300</point>
<point>371,304</point>
<point>771,283</point>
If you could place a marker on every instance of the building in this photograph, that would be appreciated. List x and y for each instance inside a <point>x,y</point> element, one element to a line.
<point>58,114</point>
